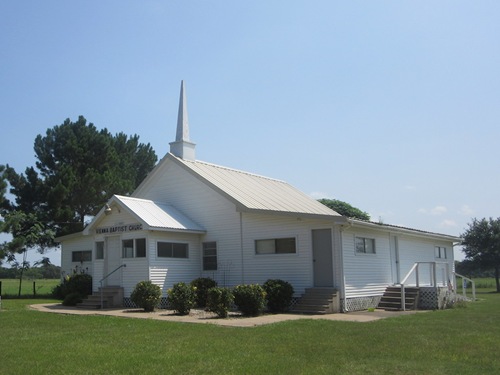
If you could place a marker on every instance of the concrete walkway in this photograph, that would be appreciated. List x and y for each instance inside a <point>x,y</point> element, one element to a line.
<point>234,319</point>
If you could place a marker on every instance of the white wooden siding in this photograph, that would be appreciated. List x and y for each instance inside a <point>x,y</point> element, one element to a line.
<point>166,272</point>
<point>412,250</point>
<point>366,274</point>
<point>81,243</point>
<point>210,210</point>
<point>297,268</point>
<point>369,274</point>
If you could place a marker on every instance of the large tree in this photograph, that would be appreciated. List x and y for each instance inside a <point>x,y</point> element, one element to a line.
<point>27,233</point>
<point>3,189</point>
<point>345,209</point>
<point>78,169</point>
<point>481,244</point>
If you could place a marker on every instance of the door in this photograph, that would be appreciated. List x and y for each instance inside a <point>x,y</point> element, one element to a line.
<point>395,260</point>
<point>322,257</point>
<point>113,261</point>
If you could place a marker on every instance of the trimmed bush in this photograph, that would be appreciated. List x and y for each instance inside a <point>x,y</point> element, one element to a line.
<point>181,298</point>
<point>146,295</point>
<point>279,295</point>
<point>250,299</point>
<point>201,287</point>
<point>80,283</point>
<point>219,301</point>
<point>72,299</point>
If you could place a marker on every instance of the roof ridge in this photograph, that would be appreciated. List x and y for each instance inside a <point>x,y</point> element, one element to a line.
<point>231,169</point>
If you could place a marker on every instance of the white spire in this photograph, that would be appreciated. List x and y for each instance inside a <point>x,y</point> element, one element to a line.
<point>182,147</point>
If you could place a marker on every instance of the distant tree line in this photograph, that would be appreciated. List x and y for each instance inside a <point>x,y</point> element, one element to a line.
<point>44,272</point>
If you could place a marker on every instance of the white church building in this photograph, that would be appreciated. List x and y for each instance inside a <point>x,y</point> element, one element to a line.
<point>191,219</point>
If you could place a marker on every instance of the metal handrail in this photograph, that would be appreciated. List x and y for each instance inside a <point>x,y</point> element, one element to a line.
<point>104,278</point>
<point>463,289</point>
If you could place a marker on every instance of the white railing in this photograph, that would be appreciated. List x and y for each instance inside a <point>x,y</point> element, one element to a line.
<point>464,286</point>
<point>433,282</point>
<point>104,278</point>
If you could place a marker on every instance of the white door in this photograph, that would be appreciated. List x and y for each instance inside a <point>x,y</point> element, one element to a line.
<point>113,260</point>
<point>395,260</point>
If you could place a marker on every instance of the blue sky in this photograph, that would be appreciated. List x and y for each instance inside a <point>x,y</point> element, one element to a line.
<point>392,106</point>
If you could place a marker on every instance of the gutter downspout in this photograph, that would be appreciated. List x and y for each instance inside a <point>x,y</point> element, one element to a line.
<point>241,249</point>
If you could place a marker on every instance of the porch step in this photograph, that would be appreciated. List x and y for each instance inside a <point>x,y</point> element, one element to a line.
<point>318,301</point>
<point>391,300</point>
<point>111,297</point>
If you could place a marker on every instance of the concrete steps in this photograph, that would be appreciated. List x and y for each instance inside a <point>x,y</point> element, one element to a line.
<point>318,301</point>
<point>112,296</point>
<point>391,300</point>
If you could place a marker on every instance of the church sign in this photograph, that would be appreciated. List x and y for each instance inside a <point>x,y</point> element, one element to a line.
<point>119,228</point>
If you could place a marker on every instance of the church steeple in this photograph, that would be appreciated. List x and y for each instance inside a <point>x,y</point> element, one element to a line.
<point>183,147</point>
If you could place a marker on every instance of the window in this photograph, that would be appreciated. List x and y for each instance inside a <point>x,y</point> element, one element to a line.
<point>276,246</point>
<point>140,248</point>
<point>172,250</point>
<point>81,256</point>
<point>135,248</point>
<point>365,245</point>
<point>440,252</point>
<point>99,250</point>
<point>209,256</point>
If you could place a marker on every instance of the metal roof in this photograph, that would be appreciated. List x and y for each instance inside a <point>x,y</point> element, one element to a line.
<point>158,215</point>
<point>254,193</point>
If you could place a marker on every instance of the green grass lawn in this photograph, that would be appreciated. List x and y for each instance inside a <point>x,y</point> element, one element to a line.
<point>455,341</point>
<point>10,287</point>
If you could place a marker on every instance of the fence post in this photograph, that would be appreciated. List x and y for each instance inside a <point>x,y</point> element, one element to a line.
<point>0,287</point>
<point>34,288</point>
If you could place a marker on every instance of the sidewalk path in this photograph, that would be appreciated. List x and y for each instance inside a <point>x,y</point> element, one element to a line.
<point>234,319</point>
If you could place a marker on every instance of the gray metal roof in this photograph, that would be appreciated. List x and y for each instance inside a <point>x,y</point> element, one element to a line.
<point>254,193</point>
<point>158,215</point>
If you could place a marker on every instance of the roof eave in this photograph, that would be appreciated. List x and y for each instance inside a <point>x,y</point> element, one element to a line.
<point>409,231</point>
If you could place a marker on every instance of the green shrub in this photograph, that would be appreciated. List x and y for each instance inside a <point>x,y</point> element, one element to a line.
<point>80,283</point>
<point>219,301</point>
<point>72,299</point>
<point>146,295</point>
<point>201,287</point>
<point>250,299</point>
<point>181,298</point>
<point>279,295</point>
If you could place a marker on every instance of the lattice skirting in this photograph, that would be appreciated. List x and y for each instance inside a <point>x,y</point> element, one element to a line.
<point>127,302</point>
<point>360,303</point>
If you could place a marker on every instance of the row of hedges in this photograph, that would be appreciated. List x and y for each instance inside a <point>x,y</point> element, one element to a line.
<point>250,299</point>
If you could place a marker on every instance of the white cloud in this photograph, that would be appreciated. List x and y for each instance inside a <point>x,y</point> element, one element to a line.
<point>448,223</point>
<point>438,210</point>
<point>466,210</point>
<point>410,187</point>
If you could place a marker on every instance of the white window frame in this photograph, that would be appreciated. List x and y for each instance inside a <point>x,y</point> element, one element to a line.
<point>207,246</point>
<point>439,251</point>
<point>173,243</point>
<point>98,250</point>
<point>81,252</point>
<point>134,247</point>
<point>366,241</point>
<point>269,246</point>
